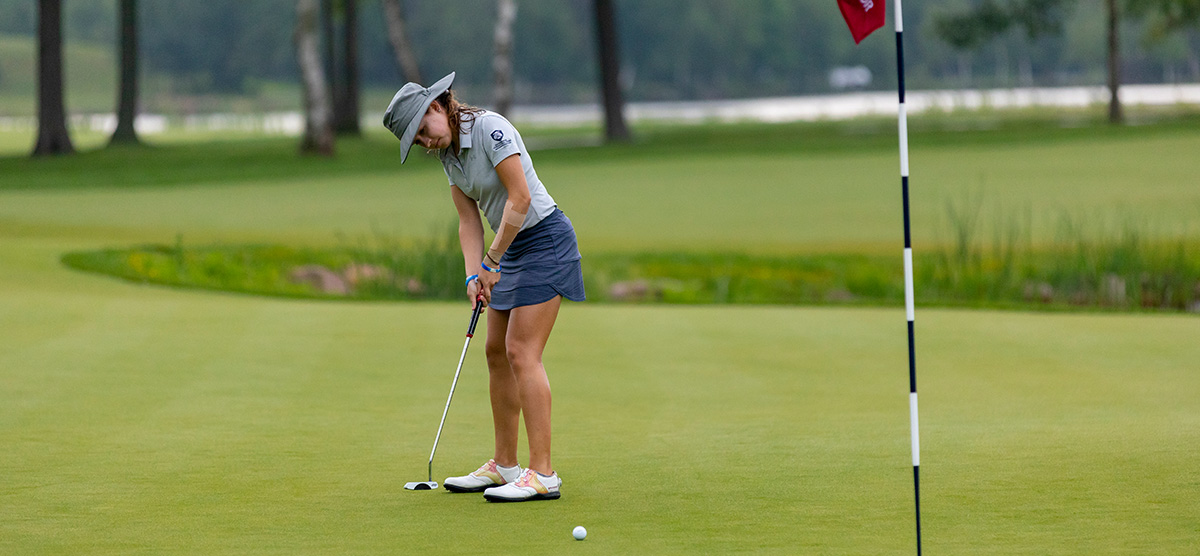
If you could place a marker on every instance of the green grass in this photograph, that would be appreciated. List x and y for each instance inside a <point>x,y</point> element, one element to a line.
<point>90,73</point>
<point>91,70</point>
<point>147,420</point>
<point>140,419</point>
<point>1117,272</point>
<point>798,188</point>
<point>391,270</point>
<point>89,76</point>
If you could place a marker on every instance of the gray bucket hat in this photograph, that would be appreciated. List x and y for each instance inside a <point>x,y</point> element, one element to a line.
<point>404,114</point>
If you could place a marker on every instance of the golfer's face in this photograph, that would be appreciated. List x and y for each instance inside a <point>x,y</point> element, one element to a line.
<point>434,132</point>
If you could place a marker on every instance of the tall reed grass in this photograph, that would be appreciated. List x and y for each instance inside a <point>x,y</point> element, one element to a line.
<point>1091,262</point>
<point>991,261</point>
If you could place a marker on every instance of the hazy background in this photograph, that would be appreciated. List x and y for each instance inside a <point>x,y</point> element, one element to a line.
<point>231,55</point>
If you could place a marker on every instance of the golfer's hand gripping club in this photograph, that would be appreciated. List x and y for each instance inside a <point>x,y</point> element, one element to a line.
<point>475,315</point>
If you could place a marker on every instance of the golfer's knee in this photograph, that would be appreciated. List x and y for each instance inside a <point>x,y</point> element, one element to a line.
<point>522,356</point>
<point>497,355</point>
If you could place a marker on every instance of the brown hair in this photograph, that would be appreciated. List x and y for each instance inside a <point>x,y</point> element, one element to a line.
<point>459,114</point>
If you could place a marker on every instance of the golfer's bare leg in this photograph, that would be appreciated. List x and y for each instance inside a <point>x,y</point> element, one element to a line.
<point>528,330</point>
<point>502,384</point>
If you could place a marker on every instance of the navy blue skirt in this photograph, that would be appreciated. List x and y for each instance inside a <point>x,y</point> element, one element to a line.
<point>541,263</point>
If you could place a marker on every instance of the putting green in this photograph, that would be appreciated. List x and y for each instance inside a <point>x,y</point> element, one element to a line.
<point>139,419</point>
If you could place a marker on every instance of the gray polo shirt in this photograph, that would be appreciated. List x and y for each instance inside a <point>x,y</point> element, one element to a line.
<point>483,144</point>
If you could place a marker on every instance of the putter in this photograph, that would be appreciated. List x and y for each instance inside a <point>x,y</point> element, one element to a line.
<point>431,484</point>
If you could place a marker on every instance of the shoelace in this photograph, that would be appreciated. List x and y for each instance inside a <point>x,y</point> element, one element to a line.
<point>526,477</point>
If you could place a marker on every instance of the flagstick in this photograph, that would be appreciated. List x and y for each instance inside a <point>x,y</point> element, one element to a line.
<point>908,278</point>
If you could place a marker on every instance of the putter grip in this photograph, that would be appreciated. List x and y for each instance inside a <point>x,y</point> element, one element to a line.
<point>475,316</point>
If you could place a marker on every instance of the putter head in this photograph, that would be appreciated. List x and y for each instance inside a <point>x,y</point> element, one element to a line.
<point>422,485</point>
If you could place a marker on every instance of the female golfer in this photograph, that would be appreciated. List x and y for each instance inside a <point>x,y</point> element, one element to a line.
<point>532,264</point>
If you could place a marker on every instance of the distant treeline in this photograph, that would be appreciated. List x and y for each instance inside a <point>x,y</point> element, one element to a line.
<point>671,50</point>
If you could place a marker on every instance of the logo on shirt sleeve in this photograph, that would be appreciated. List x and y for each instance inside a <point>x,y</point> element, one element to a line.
<point>501,142</point>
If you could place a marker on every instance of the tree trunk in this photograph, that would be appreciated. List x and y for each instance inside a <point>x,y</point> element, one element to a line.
<point>329,41</point>
<point>128,92</point>
<point>610,72</point>
<point>1003,72</point>
<point>1193,64</point>
<point>346,101</point>
<point>406,60</point>
<point>1115,115</point>
<point>52,122</point>
<point>1026,70</point>
<point>318,113</point>
<point>502,61</point>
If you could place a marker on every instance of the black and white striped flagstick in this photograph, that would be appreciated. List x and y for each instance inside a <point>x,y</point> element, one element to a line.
<point>908,277</point>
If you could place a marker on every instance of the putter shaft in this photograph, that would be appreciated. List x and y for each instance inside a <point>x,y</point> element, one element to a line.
<point>461,358</point>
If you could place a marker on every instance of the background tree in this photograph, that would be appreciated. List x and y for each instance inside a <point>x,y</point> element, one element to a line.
<point>345,87</point>
<point>1115,114</point>
<point>127,93</point>
<point>318,112</point>
<point>406,59</point>
<point>502,58</point>
<point>1167,17</point>
<point>221,55</point>
<point>972,29</point>
<point>52,135</point>
<point>216,46</point>
<point>610,72</point>
<point>329,42</point>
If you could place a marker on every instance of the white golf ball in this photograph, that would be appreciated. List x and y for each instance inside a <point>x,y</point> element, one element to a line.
<point>579,533</point>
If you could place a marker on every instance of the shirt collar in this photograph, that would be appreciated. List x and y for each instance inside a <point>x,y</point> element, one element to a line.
<point>464,139</point>
<point>464,143</point>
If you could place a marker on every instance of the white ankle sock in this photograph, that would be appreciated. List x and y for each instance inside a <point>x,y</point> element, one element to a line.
<point>550,480</point>
<point>510,474</point>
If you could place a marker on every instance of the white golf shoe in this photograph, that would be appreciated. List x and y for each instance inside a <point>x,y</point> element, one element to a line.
<point>488,475</point>
<point>531,486</point>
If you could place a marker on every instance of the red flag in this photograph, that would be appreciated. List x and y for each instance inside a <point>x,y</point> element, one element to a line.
<point>863,16</point>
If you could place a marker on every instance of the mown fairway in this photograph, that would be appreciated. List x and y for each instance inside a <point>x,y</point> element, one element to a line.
<point>779,188</point>
<point>150,420</point>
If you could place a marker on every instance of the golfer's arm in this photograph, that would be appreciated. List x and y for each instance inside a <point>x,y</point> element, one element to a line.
<point>512,175</point>
<point>470,230</point>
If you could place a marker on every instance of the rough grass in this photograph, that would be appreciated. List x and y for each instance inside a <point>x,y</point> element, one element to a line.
<point>1088,266</point>
<point>432,270</point>
<point>1122,274</point>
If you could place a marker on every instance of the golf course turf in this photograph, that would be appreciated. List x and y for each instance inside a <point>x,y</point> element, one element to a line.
<point>147,420</point>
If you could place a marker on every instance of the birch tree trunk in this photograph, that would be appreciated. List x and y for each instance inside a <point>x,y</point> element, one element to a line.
<point>128,92</point>
<point>52,135</point>
<point>502,60</point>
<point>406,59</point>
<point>318,112</point>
